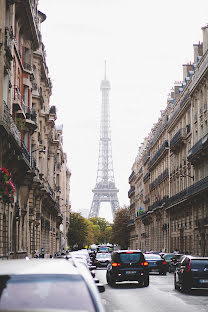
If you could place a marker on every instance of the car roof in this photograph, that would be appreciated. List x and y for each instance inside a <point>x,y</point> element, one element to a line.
<point>196,257</point>
<point>127,251</point>
<point>37,266</point>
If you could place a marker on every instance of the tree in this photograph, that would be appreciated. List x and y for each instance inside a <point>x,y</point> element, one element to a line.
<point>90,232</point>
<point>103,224</point>
<point>77,233</point>
<point>120,230</point>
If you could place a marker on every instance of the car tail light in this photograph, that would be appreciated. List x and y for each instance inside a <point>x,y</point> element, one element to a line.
<point>128,252</point>
<point>114,264</point>
<point>144,263</point>
<point>188,269</point>
<point>164,262</point>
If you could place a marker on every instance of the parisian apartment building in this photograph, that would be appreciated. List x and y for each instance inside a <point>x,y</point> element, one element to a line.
<point>169,180</point>
<point>34,174</point>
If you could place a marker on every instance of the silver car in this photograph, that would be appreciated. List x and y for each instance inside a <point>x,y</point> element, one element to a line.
<point>47,284</point>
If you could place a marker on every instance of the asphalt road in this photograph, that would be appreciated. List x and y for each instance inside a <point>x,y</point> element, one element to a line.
<point>160,296</point>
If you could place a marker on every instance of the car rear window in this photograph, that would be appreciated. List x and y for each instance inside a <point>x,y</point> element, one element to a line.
<point>58,292</point>
<point>130,257</point>
<point>199,263</point>
<point>152,256</point>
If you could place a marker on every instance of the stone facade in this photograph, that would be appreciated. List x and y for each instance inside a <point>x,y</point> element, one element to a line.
<point>173,159</point>
<point>31,145</point>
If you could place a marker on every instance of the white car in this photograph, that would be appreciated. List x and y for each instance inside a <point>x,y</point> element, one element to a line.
<point>47,284</point>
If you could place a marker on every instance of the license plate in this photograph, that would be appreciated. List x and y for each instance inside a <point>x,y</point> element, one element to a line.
<point>130,272</point>
<point>203,281</point>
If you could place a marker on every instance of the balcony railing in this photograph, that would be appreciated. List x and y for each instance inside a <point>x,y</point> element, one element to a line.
<point>9,124</point>
<point>146,177</point>
<point>163,147</point>
<point>8,43</point>
<point>159,179</point>
<point>132,175</point>
<point>25,152</point>
<point>131,191</point>
<point>196,150</point>
<point>192,190</point>
<point>131,222</point>
<point>201,222</point>
<point>178,138</point>
<point>146,157</point>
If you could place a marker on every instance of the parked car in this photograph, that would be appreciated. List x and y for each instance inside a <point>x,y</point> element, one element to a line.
<point>127,265</point>
<point>47,284</point>
<point>173,262</point>
<point>191,272</point>
<point>102,259</point>
<point>168,257</point>
<point>156,263</point>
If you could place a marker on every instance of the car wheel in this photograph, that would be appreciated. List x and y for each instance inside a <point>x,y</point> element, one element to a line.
<point>146,281</point>
<point>110,281</point>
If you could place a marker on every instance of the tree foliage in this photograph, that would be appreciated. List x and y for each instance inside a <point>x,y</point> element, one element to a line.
<point>103,225</point>
<point>78,230</point>
<point>120,230</point>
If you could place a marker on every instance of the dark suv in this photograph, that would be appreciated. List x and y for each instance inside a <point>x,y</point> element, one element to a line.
<point>191,272</point>
<point>127,265</point>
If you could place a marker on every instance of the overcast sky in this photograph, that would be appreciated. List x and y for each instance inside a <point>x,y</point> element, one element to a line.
<point>145,44</point>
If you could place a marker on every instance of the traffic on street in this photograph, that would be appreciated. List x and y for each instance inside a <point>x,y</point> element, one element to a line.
<point>159,296</point>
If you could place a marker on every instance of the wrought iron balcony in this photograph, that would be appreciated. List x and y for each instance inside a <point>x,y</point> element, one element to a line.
<point>146,177</point>
<point>201,222</point>
<point>146,157</point>
<point>25,153</point>
<point>131,222</point>
<point>9,125</point>
<point>132,176</point>
<point>132,206</point>
<point>159,179</point>
<point>8,43</point>
<point>178,138</point>
<point>158,154</point>
<point>131,191</point>
<point>196,151</point>
<point>196,188</point>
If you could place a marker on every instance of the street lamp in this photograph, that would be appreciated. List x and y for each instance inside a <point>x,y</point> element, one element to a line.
<point>186,175</point>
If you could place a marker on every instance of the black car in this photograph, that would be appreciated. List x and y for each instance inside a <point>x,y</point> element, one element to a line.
<point>156,263</point>
<point>128,265</point>
<point>191,272</point>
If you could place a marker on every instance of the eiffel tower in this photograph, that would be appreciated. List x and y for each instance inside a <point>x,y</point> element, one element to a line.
<point>105,189</point>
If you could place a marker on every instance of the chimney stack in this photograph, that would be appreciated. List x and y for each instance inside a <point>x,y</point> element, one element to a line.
<point>205,38</point>
<point>186,69</point>
<point>198,51</point>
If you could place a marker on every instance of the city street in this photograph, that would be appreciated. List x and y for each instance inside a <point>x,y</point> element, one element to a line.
<point>159,296</point>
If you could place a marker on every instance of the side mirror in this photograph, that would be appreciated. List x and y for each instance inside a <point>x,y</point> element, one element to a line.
<point>101,288</point>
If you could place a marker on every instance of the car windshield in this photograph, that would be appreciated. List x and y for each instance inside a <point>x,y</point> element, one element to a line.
<point>61,292</point>
<point>152,256</point>
<point>199,263</point>
<point>129,257</point>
